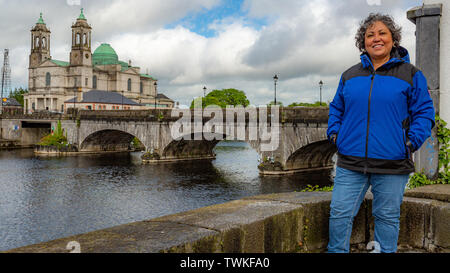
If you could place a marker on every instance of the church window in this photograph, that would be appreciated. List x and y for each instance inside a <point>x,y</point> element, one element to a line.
<point>84,39</point>
<point>78,39</point>
<point>129,84</point>
<point>36,42</point>
<point>94,82</point>
<point>44,45</point>
<point>47,79</point>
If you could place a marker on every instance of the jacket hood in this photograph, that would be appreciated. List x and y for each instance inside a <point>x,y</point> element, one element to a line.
<point>398,55</point>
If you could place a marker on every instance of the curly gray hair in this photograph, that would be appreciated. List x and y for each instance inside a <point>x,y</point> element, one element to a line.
<point>395,30</point>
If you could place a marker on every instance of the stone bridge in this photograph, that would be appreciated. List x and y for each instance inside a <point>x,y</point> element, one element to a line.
<point>287,139</point>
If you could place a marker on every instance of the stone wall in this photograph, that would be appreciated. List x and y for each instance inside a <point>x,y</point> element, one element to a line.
<point>273,223</point>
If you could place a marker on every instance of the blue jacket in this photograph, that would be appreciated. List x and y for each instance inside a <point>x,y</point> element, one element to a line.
<point>380,117</point>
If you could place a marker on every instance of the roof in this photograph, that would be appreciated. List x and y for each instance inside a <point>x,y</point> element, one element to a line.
<point>40,21</point>
<point>81,17</point>
<point>10,102</point>
<point>162,96</point>
<point>60,63</point>
<point>40,25</point>
<point>104,55</point>
<point>100,96</point>
<point>147,76</point>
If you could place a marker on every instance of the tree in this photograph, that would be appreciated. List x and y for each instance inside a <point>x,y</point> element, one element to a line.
<point>224,97</point>
<point>17,94</point>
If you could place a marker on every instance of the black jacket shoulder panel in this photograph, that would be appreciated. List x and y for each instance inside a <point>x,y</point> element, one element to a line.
<point>355,71</point>
<point>403,71</point>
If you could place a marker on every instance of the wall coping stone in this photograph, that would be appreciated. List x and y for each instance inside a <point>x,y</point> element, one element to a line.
<point>437,192</point>
<point>279,222</point>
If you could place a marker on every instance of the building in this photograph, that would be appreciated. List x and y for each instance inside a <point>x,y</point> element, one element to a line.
<point>52,82</point>
<point>102,100</point>
<point>10,106</point>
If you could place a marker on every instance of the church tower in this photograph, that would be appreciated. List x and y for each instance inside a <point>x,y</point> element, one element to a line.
<point>40,43</point>
<point>81,42</point>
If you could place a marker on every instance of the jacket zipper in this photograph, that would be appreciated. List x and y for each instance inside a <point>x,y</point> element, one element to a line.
<point>368,121</point>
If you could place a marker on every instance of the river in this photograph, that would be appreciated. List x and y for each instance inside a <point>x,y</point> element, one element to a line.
<point>45,198</point>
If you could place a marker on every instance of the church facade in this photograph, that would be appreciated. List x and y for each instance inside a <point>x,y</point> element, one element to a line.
<point>52,82</point>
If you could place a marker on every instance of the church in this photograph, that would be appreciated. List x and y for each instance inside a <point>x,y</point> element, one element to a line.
<point>93,81</point>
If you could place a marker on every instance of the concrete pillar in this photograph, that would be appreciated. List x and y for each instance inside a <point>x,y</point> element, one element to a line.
<point>428,19</point>
<point>444,58</point>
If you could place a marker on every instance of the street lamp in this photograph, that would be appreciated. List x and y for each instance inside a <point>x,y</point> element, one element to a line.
<point>156,91</point>
<point>204,91</point>
<point>320,85</point>
<point>275,79</point>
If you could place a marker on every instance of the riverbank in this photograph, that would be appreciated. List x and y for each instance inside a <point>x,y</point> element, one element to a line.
<point>283,222</point>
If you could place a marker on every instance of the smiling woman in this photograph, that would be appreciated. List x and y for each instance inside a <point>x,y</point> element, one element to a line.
<point>381,113</point>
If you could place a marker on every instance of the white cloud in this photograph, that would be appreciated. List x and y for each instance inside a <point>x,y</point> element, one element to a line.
<point>303,42</point>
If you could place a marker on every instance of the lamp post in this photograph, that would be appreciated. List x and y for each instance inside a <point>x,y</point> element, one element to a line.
<point>122,99</point>
<point>204,91</point>
<point>156,92</point>
<point>275,79</point>
<point>320,85</point>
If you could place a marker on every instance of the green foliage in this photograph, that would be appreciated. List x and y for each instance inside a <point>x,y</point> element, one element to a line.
<point>279,103</point>
<point>443,135</point>
<point>316,104</point>
<point>18,94</point>
<point>310,188</point>
<point>56,138</point>
<point>136,143</point>
<point>224,97</point>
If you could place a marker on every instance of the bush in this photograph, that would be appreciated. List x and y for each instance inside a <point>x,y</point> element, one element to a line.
<point>55,138</point>
<point>443,135</point>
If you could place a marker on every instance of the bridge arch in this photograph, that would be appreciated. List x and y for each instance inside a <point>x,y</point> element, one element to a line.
<point>107,140</point>
<point>318,154</point>
<point>189,147</point>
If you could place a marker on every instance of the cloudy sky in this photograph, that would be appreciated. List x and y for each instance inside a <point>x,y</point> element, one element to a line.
<point>219,44</point>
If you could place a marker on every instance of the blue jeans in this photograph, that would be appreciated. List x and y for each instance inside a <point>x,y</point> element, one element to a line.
<point>348,193</point>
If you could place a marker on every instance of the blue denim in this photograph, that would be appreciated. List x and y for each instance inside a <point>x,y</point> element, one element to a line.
<point>348,193</point>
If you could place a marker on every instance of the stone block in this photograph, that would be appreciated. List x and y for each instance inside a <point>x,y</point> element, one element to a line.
<point>243,224</point>
<point>440,192</point>
<point>414,222</point>
<point>139,237</point>
<point>441,224</point>
<point>282,233</point>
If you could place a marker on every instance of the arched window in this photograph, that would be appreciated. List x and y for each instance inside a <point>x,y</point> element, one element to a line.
<point>44,45</point>
<point>36,42</point>
<point>47,79</point>
<point>129,84</point>
<point>94,82</point>
<point>78,37</point>
<point>84,39</point>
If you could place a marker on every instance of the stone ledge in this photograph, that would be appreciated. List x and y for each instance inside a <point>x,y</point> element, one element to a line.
<point>282,222</point>
<point>435,192</point>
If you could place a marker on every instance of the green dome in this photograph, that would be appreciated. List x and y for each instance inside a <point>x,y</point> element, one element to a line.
<point>104,54</point>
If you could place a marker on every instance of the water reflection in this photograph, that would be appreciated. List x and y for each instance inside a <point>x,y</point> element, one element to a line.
<point>44,198</point>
